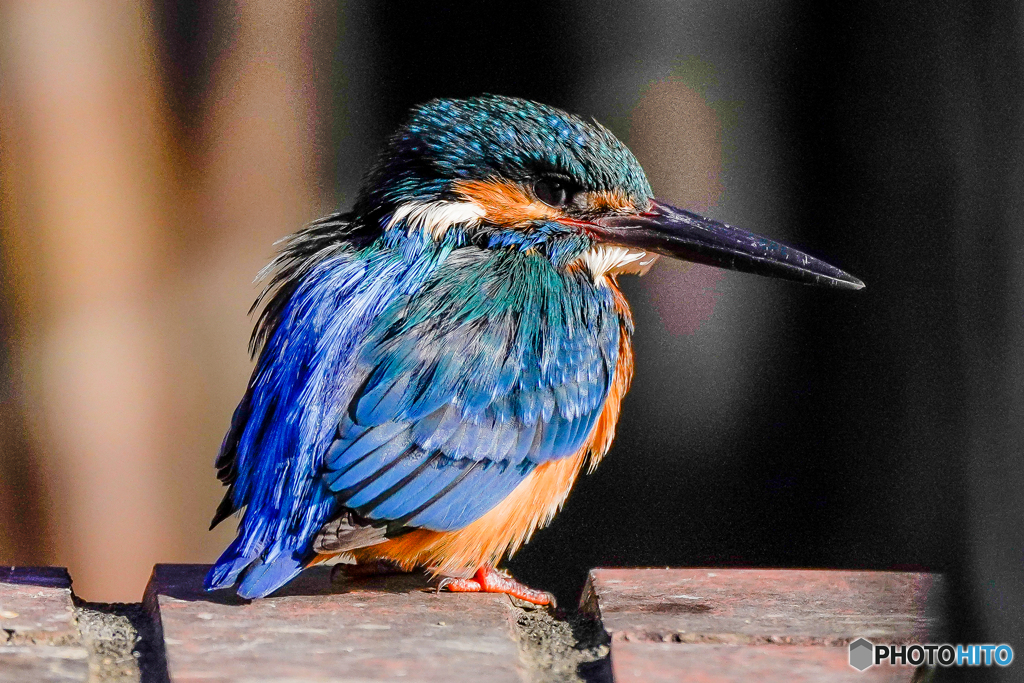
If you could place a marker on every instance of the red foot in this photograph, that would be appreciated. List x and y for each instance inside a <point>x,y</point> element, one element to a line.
<point>489,580</point>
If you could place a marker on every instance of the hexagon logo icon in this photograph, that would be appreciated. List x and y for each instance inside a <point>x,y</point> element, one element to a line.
<point>862,654</point>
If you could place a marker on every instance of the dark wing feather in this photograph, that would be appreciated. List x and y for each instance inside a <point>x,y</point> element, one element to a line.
<point>347,532</point>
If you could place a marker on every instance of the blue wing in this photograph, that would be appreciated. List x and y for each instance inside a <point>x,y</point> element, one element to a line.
<point>499,364</point>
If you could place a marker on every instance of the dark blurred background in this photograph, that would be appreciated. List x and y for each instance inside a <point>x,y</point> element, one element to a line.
<point>152,153</point>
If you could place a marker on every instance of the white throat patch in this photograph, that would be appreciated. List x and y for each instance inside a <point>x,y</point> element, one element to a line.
<point>608,259</point>
<point>434,218</point>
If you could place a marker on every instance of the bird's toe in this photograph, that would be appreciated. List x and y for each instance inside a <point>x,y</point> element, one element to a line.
<point>490,580</point>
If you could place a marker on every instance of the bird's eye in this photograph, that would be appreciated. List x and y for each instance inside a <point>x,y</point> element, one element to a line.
<point>554,192</point>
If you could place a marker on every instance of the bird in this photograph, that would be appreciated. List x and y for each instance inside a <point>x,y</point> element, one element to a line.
<point>435,367</point>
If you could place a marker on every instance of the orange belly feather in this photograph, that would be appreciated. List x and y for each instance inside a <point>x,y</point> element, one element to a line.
<point>529,507</point>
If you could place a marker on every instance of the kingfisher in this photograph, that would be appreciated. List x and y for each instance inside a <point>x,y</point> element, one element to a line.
<point>436,367</point>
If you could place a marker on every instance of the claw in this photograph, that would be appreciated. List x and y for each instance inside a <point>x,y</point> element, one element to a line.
<point>457,585</point>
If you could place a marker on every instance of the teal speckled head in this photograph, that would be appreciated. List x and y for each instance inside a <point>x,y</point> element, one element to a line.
<point>487,138</point>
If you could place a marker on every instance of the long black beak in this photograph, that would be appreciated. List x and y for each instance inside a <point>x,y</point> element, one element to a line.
<point>680,234</point>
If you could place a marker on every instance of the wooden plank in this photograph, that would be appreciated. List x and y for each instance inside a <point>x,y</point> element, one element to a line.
<point>647,662</point>
<point>39,638</point>
<point>35,605</point>
<point>370,630</point>
<point>43,664</point>
<point>762,606</point>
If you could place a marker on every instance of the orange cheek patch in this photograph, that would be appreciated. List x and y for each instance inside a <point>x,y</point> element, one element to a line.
<point>607,201</point>
<point>504,203</point>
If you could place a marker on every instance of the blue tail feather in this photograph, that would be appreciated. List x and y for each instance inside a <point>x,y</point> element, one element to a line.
<point>266,576</point>
<point>228,567</point>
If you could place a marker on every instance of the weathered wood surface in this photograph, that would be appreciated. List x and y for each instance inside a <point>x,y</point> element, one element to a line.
<point>647,662</point>
<point>35,605</point>
<point>665,625</point>
<point>43,664</point>
<point>39,638</point>
<point>769,606</point>
<point>757,624</point>
<point>371,630</point>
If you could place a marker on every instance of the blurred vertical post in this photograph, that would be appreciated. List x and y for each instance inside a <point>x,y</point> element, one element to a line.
<point>86,140</point>
<point>23,519</point>
<point>135,259</point>
<point>257,165</point>
<point>986,120</point>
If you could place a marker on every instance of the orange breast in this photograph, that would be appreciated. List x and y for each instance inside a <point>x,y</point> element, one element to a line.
<point>529,507</point>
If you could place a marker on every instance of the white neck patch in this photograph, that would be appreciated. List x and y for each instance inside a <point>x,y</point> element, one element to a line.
<point>609,259</point>
<point>434,218</point>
